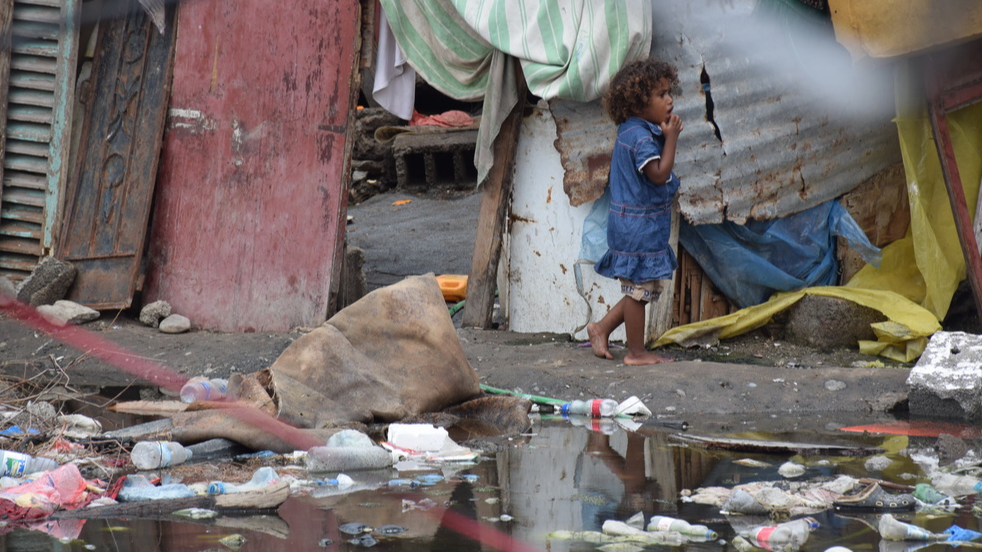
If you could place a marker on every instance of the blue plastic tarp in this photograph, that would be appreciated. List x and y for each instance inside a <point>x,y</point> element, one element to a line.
<point>749,263</point>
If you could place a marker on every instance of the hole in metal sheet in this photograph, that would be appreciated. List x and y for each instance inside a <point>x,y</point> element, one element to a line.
<point>705,83</point>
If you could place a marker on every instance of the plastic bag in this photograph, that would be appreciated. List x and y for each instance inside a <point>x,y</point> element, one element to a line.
<point>752,262</point>
<point>594,244</point>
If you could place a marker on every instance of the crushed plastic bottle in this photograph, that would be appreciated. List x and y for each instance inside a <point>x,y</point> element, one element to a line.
<point>892,529</point>
<point>261,478</point>
<point>957,485</point>
<point>664,523</point>
<point>137,487</point>
<point>791,534</point>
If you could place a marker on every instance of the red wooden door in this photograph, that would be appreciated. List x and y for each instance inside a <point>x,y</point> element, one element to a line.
<point>248,222</point>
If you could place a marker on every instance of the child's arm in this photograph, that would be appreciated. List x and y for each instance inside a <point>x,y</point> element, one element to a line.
<point>658,170</point>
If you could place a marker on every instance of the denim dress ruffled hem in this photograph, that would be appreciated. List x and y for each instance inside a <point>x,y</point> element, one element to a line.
<point>639,218</point>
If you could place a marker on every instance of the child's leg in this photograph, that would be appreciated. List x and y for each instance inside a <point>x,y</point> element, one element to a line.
<point>598,332</point>
<point>635,335</point>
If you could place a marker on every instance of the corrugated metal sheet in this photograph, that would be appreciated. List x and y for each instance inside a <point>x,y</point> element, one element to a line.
<point>798,125</point>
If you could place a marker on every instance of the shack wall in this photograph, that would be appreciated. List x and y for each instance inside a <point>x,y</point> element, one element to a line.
<point>784,146</point>
<point>247,228</point>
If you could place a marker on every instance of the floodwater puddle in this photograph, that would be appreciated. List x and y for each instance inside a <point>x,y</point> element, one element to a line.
<point>570,477</point>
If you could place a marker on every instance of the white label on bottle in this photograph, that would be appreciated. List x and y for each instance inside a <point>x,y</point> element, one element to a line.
<point>664,524</point>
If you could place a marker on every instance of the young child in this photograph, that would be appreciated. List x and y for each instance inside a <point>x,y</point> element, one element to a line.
<point>642,185</point>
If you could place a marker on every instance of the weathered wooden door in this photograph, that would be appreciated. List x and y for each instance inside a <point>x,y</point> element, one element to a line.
<point>248,224</point>
<point>108,204</point>
<point>37,82</point>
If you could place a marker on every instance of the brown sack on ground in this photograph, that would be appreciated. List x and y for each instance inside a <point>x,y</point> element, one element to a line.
<point>394,353</point>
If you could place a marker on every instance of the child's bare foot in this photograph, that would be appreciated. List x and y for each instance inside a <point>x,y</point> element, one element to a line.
<point>599,342</point>
<point>644,359</point>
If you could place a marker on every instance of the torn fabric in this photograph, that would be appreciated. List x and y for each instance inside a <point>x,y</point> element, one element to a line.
<point>567,49</point>
<point>395,84</point>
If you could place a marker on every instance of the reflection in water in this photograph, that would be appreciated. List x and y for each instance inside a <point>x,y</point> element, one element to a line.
<point>558,477</point>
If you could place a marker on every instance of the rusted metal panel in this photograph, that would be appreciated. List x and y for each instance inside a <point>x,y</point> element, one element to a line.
<point>786,144</point>
<point>247,230</point>
<point>108,205</point>
<point>38,70</point>
<point>949,86</point>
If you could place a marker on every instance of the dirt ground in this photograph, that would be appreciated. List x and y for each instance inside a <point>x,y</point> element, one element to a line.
<point>756,372</point>
<point>750,374</point>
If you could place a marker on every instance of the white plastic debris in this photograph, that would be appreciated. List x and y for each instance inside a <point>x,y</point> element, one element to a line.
<point>632,406</point>
<point>791,469</point>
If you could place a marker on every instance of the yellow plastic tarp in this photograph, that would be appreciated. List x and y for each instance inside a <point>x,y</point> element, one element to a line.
<point>889,28</point>
<point>927,265</point>
<point>903,337</point>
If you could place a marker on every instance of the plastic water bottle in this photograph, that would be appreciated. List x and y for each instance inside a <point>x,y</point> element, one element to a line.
<point>150,455</point>
<point>597,408</point>
<point>664,523</point>
<point>622,529</point>
<point>957,485</point>
<point>18,464</point>
<point>204,389</point>
<point>261,478</point>
<point>793,532</point>
<point>331,459</point>
<point>894,530</point>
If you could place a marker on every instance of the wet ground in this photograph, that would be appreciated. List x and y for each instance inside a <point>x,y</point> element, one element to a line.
<point>560,476</point>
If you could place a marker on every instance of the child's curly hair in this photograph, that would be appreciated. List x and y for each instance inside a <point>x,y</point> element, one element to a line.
<point>632,86</point>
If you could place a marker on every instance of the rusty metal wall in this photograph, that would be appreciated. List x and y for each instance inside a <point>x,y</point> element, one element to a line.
<point>247,227</point>
<point>798,124</point>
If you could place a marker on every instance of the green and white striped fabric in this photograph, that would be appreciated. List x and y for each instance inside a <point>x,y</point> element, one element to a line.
<point>568,49</point>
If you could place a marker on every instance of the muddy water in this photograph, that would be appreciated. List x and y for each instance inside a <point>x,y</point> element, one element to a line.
<point>559,476</point>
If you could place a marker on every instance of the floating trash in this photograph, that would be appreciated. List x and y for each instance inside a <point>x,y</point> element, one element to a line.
<point>325,543</point>
<point>365,540</point>
<point>196,513</point>
<point>749,463</point>
<point>354,528</point>
<point>791,469</point>
<point>391,530</point>
<point>430,478</point>
<point>233,541</point>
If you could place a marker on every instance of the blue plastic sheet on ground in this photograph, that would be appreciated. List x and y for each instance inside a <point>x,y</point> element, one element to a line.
<point>752,262</point>
<point>16,430</point>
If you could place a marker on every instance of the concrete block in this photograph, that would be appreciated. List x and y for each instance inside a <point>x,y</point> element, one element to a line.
<point>436,158</point>
<point>48,282</point>
<point>946,381</point>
